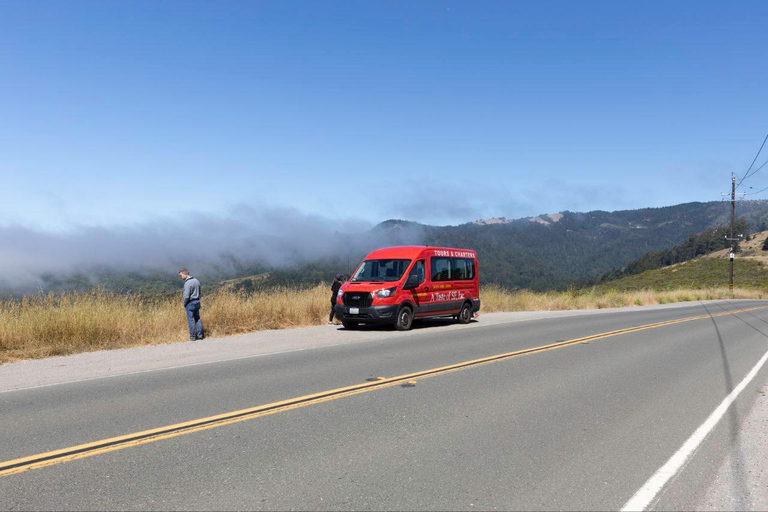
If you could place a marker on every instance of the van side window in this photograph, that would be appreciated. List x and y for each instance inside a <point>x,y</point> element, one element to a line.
<point>418,271</point>
<point>459,269</point>
<point>441,269</point>
<point>463,269</point>
<point>470,268</point>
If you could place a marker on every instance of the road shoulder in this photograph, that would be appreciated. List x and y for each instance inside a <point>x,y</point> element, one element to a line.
<point>749,457</point>
<point>111,363</point>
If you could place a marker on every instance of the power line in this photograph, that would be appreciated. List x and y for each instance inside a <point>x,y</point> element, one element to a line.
<point>754,193</point>
<point>746,174</point>
<point>756,170</point>
<point>758,153</point>
<point>753,172</point>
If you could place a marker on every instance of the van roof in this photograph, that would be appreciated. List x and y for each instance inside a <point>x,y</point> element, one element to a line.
<point>407,251</point>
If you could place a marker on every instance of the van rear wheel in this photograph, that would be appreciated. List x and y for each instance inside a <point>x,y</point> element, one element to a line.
<point>465,316</point>
<point>404,319</point>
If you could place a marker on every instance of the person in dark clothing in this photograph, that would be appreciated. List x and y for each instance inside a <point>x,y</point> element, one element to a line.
<point>334,292</point>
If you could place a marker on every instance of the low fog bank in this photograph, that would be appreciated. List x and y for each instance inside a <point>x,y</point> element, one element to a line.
<point>248,237</point>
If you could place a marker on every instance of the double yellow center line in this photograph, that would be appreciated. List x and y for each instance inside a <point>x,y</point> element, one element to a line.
<point>148,436</point>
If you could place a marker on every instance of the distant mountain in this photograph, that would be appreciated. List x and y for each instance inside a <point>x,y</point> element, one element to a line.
<point>554,251</point>
<point>549,251</point>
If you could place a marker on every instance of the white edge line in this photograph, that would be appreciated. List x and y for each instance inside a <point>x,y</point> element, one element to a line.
<point>566,314</point>
<point>645,495</point>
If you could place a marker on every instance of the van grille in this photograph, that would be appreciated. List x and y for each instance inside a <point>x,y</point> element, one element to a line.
<point>358,299</point>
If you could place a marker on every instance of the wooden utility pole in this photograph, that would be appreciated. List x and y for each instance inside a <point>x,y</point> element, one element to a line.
<point>734,237</point>
<point>733,221</point>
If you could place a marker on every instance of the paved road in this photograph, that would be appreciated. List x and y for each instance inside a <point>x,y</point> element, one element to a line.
<point>582,426</point>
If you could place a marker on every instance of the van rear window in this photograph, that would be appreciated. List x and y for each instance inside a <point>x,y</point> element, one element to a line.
<point>463,269</point>
<point>453,269</point>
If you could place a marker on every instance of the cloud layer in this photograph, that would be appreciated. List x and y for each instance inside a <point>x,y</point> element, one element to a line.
<point>271,236</point>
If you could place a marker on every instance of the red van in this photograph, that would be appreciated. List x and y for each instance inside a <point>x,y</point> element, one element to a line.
<point>397,284</point>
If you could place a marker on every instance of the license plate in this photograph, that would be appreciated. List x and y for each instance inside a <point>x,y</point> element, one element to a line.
<point>354,311</point>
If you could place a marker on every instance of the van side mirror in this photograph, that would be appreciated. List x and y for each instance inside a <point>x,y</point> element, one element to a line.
<point>412,282</point>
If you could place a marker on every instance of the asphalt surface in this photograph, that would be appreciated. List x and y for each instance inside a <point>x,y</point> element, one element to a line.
<point>742,480</point>
<point>578,427</point>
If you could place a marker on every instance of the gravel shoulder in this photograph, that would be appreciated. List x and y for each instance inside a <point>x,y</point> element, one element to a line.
<point>104,364</point>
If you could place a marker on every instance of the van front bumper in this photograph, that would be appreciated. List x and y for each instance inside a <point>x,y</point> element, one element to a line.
<point>371,314</point>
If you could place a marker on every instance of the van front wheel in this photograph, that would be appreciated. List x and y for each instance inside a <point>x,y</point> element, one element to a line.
<point>404,319</point>
<point>465,316</point>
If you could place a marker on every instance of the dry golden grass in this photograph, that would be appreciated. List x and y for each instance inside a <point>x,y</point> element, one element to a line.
<point>50,325</point>
<point>497,299</point>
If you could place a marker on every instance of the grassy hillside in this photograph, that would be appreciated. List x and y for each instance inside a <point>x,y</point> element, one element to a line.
<point>710,270</point>
<point>706,242</point>
<point>697,274</point>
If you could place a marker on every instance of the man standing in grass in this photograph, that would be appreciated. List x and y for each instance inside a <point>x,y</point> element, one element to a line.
<point>191,300</point>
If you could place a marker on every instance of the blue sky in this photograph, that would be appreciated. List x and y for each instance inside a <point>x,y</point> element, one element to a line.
<point>116,113</point>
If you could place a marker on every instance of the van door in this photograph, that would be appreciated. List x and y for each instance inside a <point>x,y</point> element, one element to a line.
<point>418,274</point>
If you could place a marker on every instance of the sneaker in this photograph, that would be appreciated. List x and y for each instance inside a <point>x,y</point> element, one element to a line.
<point>330,323</point>
<point>192,339</point>
<point>201,337</point>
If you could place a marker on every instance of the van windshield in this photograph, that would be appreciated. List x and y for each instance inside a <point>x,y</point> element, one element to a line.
<point>381,270</point>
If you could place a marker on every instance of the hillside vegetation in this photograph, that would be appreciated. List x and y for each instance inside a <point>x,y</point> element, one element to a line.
<point>709,270</point>
<point>698,274</point>
<point>699,244</point>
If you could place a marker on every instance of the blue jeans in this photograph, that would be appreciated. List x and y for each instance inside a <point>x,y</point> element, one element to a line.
<point>193,319</point>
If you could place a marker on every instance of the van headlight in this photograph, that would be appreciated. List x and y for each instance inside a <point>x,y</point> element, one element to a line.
<point>339,293</point>
<point>388,292</point>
